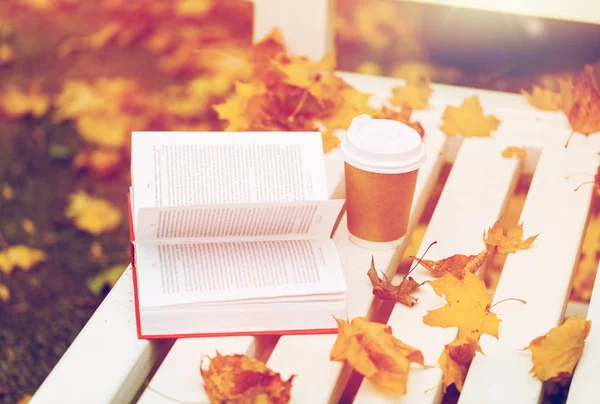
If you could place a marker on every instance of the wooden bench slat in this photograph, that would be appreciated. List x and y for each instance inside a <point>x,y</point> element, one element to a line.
<point>107,354</point>
<point>480,183</point>
<point>321,380</point>
<point>584,386</point>
<point>540,275</point>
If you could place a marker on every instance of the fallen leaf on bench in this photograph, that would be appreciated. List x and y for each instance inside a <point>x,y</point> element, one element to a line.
<point>455,265</point>
<point>555,354</point>
<point>467,308</point>
<point>4,293</point>
<point>92,215</point>
<point>468,120</point>
<point>455,361</point>
<point>507,240</point>
<point>241,379</point>
<point>412,96</point>
<point>514,151</point>
<point>383,288</point>
<point>372,350</point>
<point>20,256</point>
<point>581,102</point>
<point>543,98</point>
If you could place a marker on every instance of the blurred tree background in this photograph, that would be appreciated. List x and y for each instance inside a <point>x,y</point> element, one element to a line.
<point>76,77</point>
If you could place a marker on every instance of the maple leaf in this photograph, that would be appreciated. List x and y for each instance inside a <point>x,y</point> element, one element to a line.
<point>234,109</point>
<point>507,240</point>
<point>467,308</point>
<point>92,215</point>
<point>583,105</point>
<point>20,256</point>
<point>543,98</point>
<point>455,361</point>
<point>241,379</point>
<point>468,120</point>
<point>383,288</point>
<point>372,350</point>
<point>412,96</point>
<point>4,293</point>
<point>555,354</point>
<point>514,151</point>
<point>17,104</point>
<point>455,265</point>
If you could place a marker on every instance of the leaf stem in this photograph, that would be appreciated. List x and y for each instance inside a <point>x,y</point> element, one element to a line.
<point>420,259</point>
<point>569,139</point>
<point>582,184</point>
<point>506,300</point>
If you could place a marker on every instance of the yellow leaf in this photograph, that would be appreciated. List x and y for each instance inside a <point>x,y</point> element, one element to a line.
<point>4,293</point>
<point>28,226</point>
<point>193,8</point>
<point>543,98</point>
<point>455,361</point>
<point>234,109</point>
<point>92,215</point>
<point>102,162</point>
<point>468,120</point>
<point>415,97</point>
<point>110,130</point>
<point>467,307</point>
<point>507,240</point>
<point>244,380</point>
<point>372,350</point>
<point>414,73</point>
<point>20,256</point>
<point>16,104</point>
<point>555,354</point>
<point>7,55</point>
<point>514,151</point>
<point>96,250</point>
<point>369,68</point>
<point>7,192</point>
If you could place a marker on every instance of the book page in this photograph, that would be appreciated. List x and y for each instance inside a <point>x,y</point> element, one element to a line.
<point>275,221</point>
<point>207,272</point>
<point>172,169</point>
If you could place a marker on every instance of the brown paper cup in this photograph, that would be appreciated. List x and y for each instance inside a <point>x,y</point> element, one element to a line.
<point>382,161</point>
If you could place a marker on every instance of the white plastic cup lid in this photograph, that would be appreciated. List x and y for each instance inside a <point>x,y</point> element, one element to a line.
<point>382,146</point>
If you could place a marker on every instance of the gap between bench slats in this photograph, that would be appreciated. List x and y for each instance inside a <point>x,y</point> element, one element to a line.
<point>584,386</point>
<point>541,275</point>
<point>478,187</point>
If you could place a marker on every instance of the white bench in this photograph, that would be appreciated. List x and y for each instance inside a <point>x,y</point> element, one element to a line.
<point>108,364</point>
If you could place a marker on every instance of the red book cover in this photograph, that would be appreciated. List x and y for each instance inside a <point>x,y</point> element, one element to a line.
<point>137,305</point>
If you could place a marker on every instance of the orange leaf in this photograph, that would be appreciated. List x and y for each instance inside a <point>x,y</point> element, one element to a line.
<point>455,361</point>
<point>92,215</point>
<point>102,162</point>
<point>514,151</point>
<point>468,120</point>
<point>582,106</point>
<point>20,256</point>
<point>241,379</point>
<point>555,354</point>
<point>372,350</point>
<point>7,55</point>
<point>16,103</point>
<point>467,308</point>
<point>383,288</point>
<point>4,293</point>
<point>455,265</point>
<point>544,99</point>
<point>412,96</point>
<point>507,240</point>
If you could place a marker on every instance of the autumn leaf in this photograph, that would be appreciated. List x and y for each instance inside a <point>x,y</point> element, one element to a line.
<point>17,103</point>
<point>234,110</point>
<point>241,379</point>
<point>455,361</point>
<point>582,106</point>
<point>107,278</point>
<point>383,288</point>
<point>92,215</point>
<point>412,96</point>
<point>467,308</point>
<point>543,98</point>
<point>20,256</point>
<point>507,240</point>
<point>455,265</point>
<point>7,55</point>
<point>372,350</point>
<point>7,192</point>
<point>4,293</point>
<point>102,162</point>
<point>468,120</point>
<point>555,354</point>
<point>514,151</point>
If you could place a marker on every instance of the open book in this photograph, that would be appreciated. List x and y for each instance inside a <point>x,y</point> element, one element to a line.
<point>231,235</point>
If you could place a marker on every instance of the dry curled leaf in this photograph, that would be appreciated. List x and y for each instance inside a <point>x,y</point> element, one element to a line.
<point>239,379</point>
<point>455,265</point>
<point>383,288</point>
<point>17,103</point>
<point>20,256</point>
<point>372,350</point>
<point>555,354</point>
<point>4,293</point>
<point>467,308</point>
<point>514,151</point>
<point>92,215</point>
<point>468,120</point>
<point>581,102</point>
<point>507,240</point>
<point>455,361</point>
<point>543,98</point>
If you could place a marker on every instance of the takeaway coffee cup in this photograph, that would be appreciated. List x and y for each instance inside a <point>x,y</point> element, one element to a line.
<point>382,159</point>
